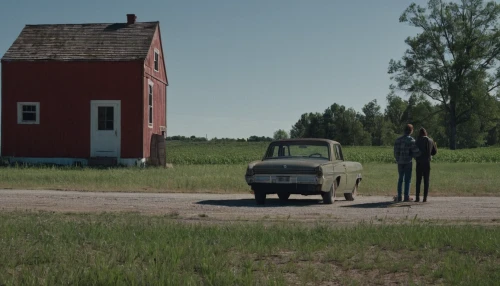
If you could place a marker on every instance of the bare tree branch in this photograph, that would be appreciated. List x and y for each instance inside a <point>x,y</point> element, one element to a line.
<point>493,87</point>
<point>495,54</point>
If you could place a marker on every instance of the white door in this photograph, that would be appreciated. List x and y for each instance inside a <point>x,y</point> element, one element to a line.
<point>105,128</point>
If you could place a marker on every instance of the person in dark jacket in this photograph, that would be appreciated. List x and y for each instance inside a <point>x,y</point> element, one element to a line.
<point>427,149</point>
<point>404,150</point>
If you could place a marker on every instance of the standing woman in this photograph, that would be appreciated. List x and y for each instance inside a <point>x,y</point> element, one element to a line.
<point>427,149</point>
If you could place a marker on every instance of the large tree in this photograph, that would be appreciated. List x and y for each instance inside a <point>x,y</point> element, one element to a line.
<point>454,59</point>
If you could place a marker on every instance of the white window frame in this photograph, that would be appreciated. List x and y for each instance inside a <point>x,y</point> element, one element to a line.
<point>150,107</point>
<point>156,60</point>
<point>20,112</point>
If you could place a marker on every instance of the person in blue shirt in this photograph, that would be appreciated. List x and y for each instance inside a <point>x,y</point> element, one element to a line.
<point>404,150</point>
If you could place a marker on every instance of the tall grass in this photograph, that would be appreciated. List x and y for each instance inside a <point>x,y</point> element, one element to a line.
<point>123,249</point>
<point>203,153</point>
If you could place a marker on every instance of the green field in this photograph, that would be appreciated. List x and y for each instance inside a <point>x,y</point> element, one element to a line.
<point>220,167</point>
<point>447,179</point>
<point>40,248</point>
<point>203,153</point>
<point>128,249</point>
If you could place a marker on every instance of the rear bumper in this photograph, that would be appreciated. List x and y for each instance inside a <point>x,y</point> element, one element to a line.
<point>292,184</point>
<point>286,179</point>
<point>300,189</point>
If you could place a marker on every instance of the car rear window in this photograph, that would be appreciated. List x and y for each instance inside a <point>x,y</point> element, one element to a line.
<point>298,150</point>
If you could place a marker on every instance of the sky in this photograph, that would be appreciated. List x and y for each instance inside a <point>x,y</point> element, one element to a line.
<point>241,68</point>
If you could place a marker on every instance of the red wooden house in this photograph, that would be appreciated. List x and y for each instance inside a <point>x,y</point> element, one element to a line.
<point>72,93</point>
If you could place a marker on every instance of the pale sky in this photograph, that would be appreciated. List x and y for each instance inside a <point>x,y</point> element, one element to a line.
<point>241,68</point>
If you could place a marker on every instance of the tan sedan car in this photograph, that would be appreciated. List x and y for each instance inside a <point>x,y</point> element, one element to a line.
<point>305,166</point>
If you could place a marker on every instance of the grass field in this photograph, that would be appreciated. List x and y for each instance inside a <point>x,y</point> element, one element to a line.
<point>101,249</point>
<point>447,179</point>
<point>128,249</point>
<point>220,167</point>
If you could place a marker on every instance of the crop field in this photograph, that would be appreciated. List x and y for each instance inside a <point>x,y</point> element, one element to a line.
<point>207,153</point>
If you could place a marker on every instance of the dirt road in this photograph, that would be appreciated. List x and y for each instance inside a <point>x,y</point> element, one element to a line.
<point>242,207</point>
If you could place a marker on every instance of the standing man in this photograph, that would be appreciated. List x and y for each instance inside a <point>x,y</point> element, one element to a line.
<point>404,150</point>
<point>427,149</point>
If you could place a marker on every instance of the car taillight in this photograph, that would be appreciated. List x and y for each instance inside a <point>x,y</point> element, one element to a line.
<point>319,172</point>
<point>249,172</point>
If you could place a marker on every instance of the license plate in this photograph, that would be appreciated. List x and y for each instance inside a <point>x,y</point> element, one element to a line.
<point>283,179</point>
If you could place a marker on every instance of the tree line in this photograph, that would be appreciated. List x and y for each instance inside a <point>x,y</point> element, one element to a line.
<point>377,127</point>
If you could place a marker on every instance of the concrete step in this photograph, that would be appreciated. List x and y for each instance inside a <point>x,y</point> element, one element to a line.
<point>103,161</point>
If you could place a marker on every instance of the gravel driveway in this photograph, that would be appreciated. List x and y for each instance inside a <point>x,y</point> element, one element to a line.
<point>242,207</point>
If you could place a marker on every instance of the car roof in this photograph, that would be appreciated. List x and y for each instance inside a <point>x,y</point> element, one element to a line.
<point>306,139</point>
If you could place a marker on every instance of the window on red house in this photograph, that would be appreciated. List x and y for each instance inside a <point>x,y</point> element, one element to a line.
<point>28,113</point>
<point>150,105</point>
<point>157,61</point>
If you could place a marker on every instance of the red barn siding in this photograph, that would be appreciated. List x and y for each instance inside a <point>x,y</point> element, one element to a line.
<point>64,90</point>
<point>159,80</point>
<point>158,114</point>
<point>149,62</point>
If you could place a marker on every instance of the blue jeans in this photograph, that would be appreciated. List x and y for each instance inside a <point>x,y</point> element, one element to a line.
<point>404,171</point>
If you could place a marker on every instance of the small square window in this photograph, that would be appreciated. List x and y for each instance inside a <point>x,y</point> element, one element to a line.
<point>157,60</point>
<point>105,118</point>
<point>28,112</point>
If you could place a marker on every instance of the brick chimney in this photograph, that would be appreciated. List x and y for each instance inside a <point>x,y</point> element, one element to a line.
<point>131,19</point>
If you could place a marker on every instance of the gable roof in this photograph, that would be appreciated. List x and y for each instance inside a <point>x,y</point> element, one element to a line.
<point>83,42</point>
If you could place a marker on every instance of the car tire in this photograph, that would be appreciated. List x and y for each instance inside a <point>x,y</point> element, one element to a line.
<point>352,195</point>
<point>329,197</point>
<point>260,197</point>
<point>283,196</point>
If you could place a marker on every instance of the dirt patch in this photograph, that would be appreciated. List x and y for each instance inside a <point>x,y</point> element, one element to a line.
<point>223,208</point>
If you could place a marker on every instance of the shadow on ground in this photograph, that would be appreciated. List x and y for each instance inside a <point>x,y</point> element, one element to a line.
<point>379,205</point>
<point>270,202</point>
